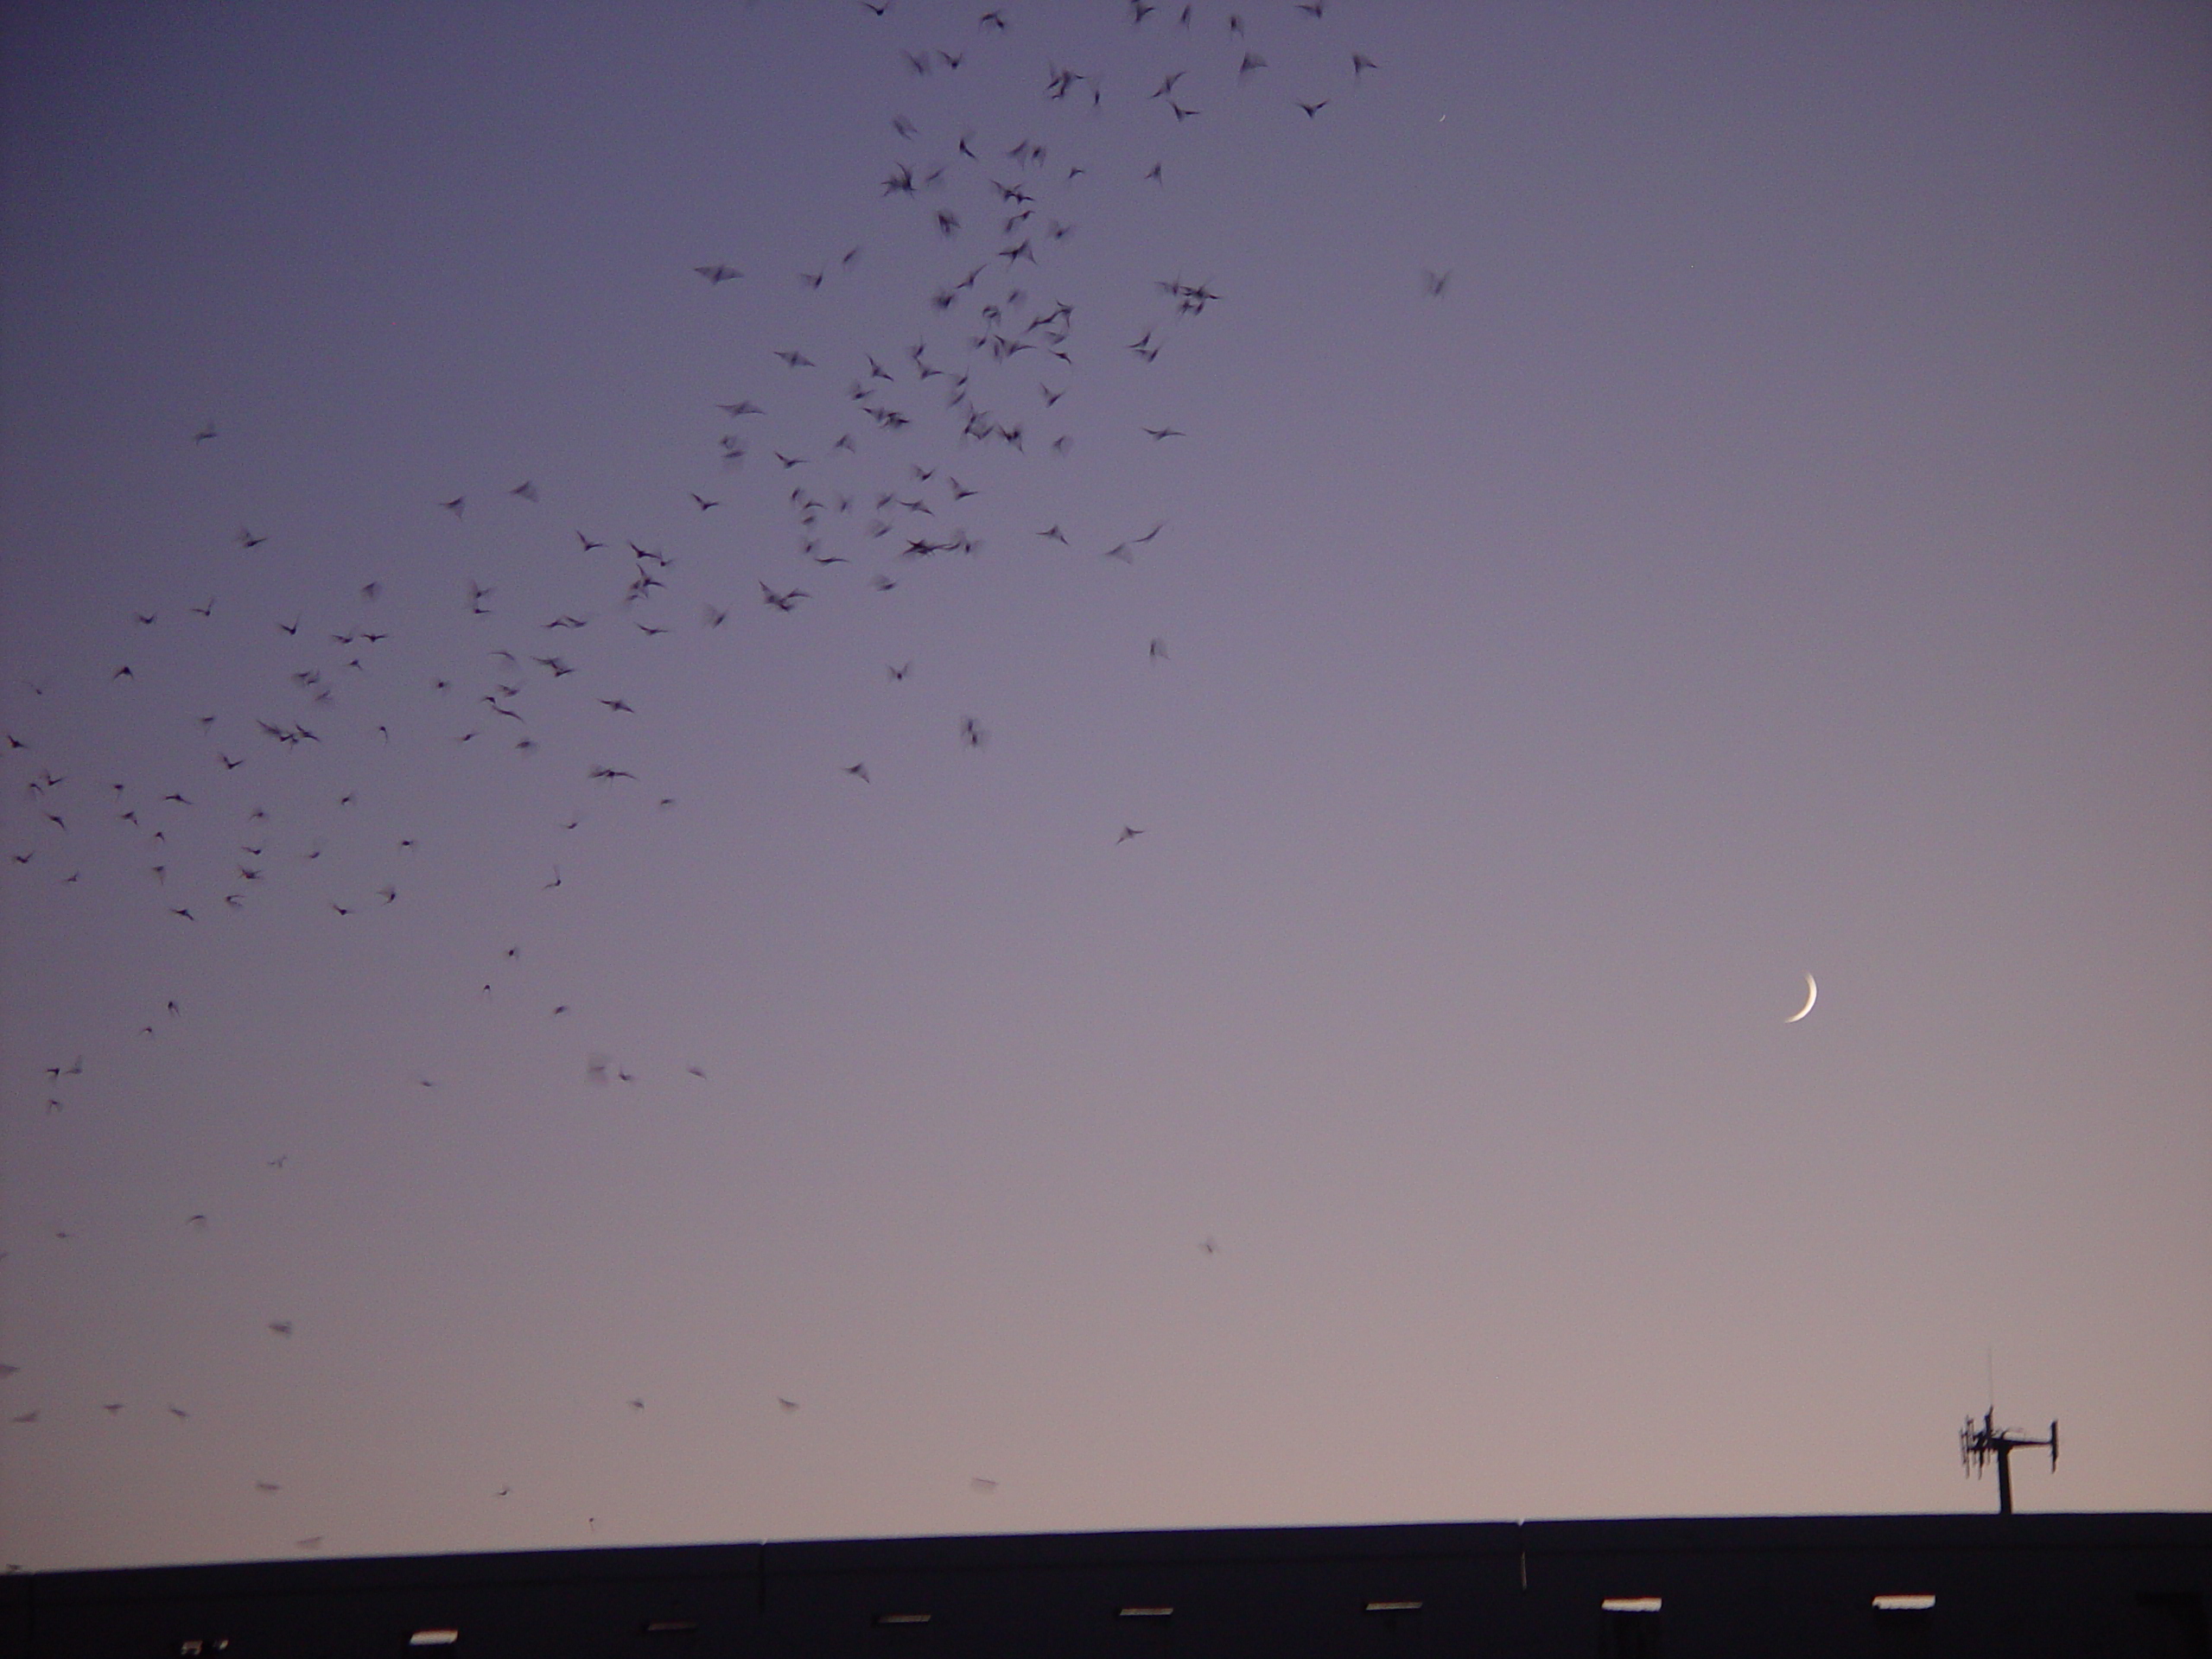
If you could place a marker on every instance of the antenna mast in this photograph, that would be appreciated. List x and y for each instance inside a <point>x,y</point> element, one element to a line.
<point>1977,1446</point>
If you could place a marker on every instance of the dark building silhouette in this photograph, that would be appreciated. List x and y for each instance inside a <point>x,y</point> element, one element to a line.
<point>2083,1586</point>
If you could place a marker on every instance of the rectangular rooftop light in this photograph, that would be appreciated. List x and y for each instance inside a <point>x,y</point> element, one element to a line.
<point>433,1638</point>
<point>1901,1603</point>
<point>670,1626</point>
<point>1630,1603</point>
<point>1148,1612</point>
<point>1393,1607</point>
<point>902,1619</point>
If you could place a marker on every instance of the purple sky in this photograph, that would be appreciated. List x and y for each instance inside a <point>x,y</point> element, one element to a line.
<point>1780,549</point>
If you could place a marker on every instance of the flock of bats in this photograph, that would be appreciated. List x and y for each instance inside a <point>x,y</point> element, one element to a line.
<point>985,369</point>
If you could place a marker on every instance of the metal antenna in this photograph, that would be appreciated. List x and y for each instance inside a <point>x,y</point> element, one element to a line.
<point>1978,1446</point>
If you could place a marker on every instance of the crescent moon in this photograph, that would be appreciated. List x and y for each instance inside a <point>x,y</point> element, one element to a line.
<point>1812,995</point>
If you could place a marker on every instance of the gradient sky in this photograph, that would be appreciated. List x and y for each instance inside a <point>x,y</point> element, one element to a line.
<point>1780,549</point>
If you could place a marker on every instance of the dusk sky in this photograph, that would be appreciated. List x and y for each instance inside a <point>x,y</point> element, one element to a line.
<point>1086,787</point>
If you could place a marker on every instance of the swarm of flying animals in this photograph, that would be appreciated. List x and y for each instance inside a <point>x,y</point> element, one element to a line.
<point>847,438</point>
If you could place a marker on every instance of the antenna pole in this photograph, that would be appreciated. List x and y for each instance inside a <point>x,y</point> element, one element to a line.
<point>1977,1446</point>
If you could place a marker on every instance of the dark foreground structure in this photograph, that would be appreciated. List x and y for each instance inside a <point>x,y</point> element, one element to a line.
<point>2077,1585</point>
